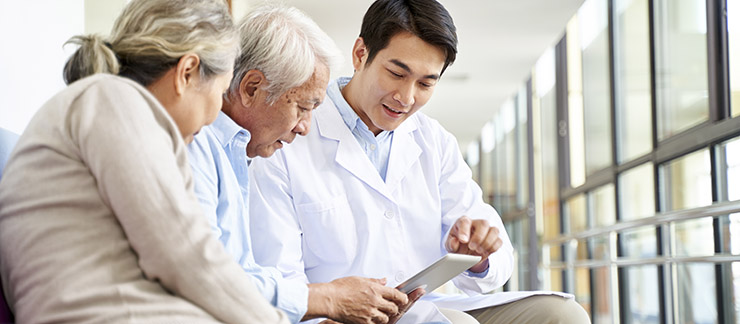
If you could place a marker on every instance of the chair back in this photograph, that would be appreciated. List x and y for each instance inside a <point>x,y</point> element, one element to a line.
<point>7,142</point>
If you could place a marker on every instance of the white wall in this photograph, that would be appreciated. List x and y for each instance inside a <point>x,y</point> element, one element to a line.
<point>31,54</point>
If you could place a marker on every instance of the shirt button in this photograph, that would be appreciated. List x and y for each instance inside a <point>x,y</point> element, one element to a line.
<point>389,214</point>
<point>400,276</point>
<point>372,147</point>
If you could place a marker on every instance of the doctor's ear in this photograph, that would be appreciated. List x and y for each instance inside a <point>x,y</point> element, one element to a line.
<point>252,81</point>
<point>359,53</point>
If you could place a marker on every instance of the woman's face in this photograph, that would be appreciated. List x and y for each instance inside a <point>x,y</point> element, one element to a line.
<point>191,100</point>
<point>201,103</point>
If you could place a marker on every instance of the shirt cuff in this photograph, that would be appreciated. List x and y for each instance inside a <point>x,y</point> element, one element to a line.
<point>292,298</point>
<point>478,274</point>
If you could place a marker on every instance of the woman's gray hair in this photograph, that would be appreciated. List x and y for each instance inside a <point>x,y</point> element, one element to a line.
<point>150,37</point>
<point>285,45</point>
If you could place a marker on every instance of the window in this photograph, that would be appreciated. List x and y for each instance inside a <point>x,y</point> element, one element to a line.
<point>697,293</point>
<point>575,213</point>
<point>593,21</point>
<point>544,102</point>
<point>733,34</point>
<point>732,165</point>
<point>643,301</point>
<point>637,193</point>
<point>632,77</point>
<point>681,65</point>
<point>604,208</point>
<point>687,182</point>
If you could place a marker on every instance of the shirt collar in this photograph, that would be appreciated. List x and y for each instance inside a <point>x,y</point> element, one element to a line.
<point>226,130</point>
<point>350,117</point>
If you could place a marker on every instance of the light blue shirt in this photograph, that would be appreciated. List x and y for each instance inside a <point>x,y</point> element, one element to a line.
<point>377,148</point>
<point>218,157</point>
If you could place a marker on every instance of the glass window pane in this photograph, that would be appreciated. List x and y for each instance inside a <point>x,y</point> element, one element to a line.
<point>600,247</point>
<point>637,193</point>
<point>732,156</point>
<point>487,155</point>
<point>593,21</point>
<point>687,181</point>
<point>544,101</point>
<point>681,65</point>
<point>639,244</point>
<point>576,141</point>
<point>522,251</point>
<point>554,280</point>
<point>522,147</point>
<point>602,306</point>
<point>730,233</point>
<point>733,34</point>
<point>575,213</point>
<point>643,297</point>
<point>694,237</point>
<point>632,69</point>
<point>604,208</point>
<point>697,293</point>
<point>582,250</point>
<point>506,145</point>
<point>582,291</point>
<point>736,287</point>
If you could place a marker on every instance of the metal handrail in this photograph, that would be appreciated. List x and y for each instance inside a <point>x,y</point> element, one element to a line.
<point>717,209</point>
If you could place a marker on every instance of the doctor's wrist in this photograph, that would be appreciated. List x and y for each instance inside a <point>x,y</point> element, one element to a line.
<point>480,266</point>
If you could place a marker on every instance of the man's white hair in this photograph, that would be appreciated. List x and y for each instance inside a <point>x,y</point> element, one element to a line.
<point>285,45</point>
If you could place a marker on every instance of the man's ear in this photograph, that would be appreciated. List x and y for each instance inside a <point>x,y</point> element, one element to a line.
<point>186,71</point>
<point>252,81</point>
<point>359,53</point>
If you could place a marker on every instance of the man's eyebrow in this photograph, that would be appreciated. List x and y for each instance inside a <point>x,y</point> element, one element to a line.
<point>408,69</point>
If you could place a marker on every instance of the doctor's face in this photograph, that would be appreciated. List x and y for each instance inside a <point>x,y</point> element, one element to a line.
<point>273,125</point>
<point>397,83</point>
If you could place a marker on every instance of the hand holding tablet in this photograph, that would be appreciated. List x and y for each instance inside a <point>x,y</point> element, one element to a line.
<point>439,272</point>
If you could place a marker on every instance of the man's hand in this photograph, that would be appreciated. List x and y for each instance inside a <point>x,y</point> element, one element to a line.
<point>355,300</point>
<point>474,237</point>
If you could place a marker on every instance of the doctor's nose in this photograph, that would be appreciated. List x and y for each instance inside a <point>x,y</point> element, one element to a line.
<point>405,96</point>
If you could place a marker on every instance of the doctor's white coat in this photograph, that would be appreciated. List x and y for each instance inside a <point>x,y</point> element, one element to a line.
<point>319,210</point>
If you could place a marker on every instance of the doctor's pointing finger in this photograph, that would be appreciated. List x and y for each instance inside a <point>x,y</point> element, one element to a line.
<point>474,237</point>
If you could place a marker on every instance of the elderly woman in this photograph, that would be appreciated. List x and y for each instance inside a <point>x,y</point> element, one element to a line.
<point>98,220</point>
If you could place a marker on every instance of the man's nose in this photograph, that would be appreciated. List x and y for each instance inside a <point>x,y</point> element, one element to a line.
<point>303,126</point>
<point>405,95</point>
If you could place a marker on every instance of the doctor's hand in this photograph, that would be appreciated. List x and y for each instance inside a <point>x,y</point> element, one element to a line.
<point>355,300</point>
<point>474,237</point>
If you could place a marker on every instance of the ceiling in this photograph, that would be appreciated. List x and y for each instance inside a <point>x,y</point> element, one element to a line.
<point>499,43</point>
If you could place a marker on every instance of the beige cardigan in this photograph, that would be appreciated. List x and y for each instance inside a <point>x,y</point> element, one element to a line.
<point>99,223</point>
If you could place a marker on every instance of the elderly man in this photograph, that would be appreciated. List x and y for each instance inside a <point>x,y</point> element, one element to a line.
<point>380,189</point>
<point>280,77</point>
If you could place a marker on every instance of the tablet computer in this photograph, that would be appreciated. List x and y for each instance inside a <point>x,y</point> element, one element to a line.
<point>442,270</point>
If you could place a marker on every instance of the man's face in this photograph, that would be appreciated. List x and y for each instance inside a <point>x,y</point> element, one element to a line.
<point>397,83</point>
<point>273,125</point>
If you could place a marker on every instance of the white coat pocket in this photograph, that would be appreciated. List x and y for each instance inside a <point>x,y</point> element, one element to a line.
<point>329,229</point>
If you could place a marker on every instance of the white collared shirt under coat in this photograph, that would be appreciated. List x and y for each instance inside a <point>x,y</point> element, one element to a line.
<point>325,212</point>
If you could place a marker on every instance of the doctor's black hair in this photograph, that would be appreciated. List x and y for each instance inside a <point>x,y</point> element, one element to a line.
<point>426,19</point>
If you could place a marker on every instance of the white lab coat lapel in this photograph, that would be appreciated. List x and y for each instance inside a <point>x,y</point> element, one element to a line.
<point>349,154</point>
<point>405,153</point>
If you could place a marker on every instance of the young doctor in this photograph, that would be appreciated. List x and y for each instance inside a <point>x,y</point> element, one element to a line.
<point>379,190</point>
